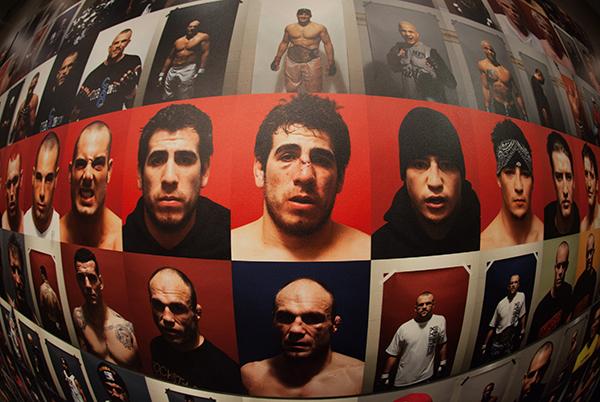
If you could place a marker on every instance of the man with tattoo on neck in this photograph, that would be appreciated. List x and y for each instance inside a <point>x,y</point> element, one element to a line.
<point>500,92</point>
<point>100,329</point>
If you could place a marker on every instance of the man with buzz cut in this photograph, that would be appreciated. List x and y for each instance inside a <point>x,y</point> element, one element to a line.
<point>590,171</point>
<point>436,210</point>
<point>171,217</point>
<point>301,153</point>
<point>515,223</point>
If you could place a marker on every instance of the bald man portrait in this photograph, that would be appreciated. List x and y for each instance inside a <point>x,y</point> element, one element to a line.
<point>532,387</point>
<point>305,318</point>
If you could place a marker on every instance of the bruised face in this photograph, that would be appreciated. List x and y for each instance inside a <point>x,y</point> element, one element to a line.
<point>44,178</point>
<point>89,281</point>
<point>434,187</point>
<point>591,181</point>
<point>409,33</point>
<point>90,171</point>
<point>516,184</point>
<point>563,182</point>
<point>118,45</point>
<point>303,318</point>
<point>300,180</point>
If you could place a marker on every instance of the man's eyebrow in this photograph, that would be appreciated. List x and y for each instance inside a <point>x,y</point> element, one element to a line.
<point>287,148</point>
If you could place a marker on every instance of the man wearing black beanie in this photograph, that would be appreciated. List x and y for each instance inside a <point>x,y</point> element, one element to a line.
<point>436,211</point>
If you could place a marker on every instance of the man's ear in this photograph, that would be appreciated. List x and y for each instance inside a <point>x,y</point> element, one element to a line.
<point>139,179</point>
<point>198,312</point>
<point>337,321</point>
<point>205,175</point>
<point>340,183</point>
<point>259,174</point>
<point>110,165</point>
<point>101,282</point>
<point>498,181</point>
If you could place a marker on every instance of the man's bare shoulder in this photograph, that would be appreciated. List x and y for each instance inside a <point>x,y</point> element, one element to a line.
<point>350,243</point>
<point>115,318</point>
<point>491,235</point>
<point>253,373</point>
<point>5,224</point>
<point>113,237</point>
<point>246,240</point>
<point>65,230</point>
<point>343,361</point>
<point>537,229</point>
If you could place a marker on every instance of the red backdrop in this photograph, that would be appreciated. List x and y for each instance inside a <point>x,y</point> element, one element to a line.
<point>37,259</point>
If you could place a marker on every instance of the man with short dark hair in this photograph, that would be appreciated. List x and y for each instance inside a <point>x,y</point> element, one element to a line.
<point>300,156</point>
<point>305,318</point>
<point>419,346</point>
<point>42,220</point>
<point>583,293</point>
<point>436,211</point>
<point>515,223</point>
<point>590,171</point>
<point>18,272</point>
<point>555,308</point>
<point>532,388</point>
<point>171,217</point>
<point>561,217</point>
<point>12,218</point>
<point>181,354</point>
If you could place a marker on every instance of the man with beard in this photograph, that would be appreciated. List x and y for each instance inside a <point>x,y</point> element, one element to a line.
<point>515,223</point>
<point>181,354</point>
<point>419,346</point>
<point>186,61</point>
<point>16,264</point>
<point>26,113</point>
<point>41,219</point>
<point>590,172</point>
<point>507,326</point>
<point>12,218</point>
<point>583,292</point>
<point>422,72</point>
<point>561,217</point>
<point>304,316</point>
<point>543,106</point>
<point>112,85</point>
<point>100,329</point>
<point>90,222</point>
<point>532,388</point>
<point>302,40</point>
<point>301,152</point>
<point>171,217</point>
<point>436,211</point>
<point>555,308</point>
<point>500,92</point>
<point>55,107</point>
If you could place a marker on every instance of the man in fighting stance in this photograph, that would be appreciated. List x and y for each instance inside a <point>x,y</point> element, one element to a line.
<point>185,62</point>
<point>303,62</point>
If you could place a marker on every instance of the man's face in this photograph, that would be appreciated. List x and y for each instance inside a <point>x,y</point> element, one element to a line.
<point>563,182</point>
<point>89,281</point>
<point>590,249</point>
<point>513,285</point>
<point>303,319</point>
<point>13,185</point>
<point>303,18</point>
<point>536,371</point>
<point>118,45</point>
<point>14,261</point>
<point>409,33</point>
<point>32,85</point>
<point>170,299</point>
<point>424,307</point>
<point>516,184</point>
<point>90,172</point>
<point>591,181</point>
<point>300,180</point>
<point>489,51</point>
<point>561,265</point>
<point>43,181</point>
<point>192,28</point>
<point>171,178</point>
<point>65,68</point>
<point>539,76</point>
<point>434,187</point>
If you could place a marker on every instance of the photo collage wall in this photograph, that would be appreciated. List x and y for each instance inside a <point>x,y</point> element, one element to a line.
<point>372,201</point>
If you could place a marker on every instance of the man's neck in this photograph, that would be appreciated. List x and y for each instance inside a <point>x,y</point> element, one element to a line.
<point>517,229</point>
<point>95,314</point>
<point>436,230</point>
<point>110,60</point>
<point>14,221</point>
<point>42,226</point>
<point>90,229</point>
<point>562,224</point>
<point>511,296</point>
<point>165,238</point>
<point>299,371</point>
<point>188,346</point>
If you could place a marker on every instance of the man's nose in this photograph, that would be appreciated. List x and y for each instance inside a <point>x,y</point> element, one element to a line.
<point>169,177</point>
<point>305,171</point>
<point>518,182</point>
<point>434,177</point>
<point>167,316</point>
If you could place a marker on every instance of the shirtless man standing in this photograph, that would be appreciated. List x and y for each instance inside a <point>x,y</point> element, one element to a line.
<point>305,318</point>
<point>26,113</point>
<point>303,61</point>
<point>100,329</point>
<point>90,222</point>
<point>500,93</point>
<point>184,63</point>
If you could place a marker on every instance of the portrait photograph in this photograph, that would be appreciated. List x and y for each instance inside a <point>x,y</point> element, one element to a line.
<point>488,382</point>
<point>274,20</point>
<point>174,75</point>
<point>13,338</point>
<point>513,23</point>
<point>588,70</point>
<point>165,392</point>
<point>506,304</point>
<point>8,111</point>
<point>585,283</point>
<point>56,33</point>
<point>474,10</point>
<point>571,49</point>
<point>16,275</point>
<point>409,58</point>
<point>68,369</point>
<point>591,103</point>
<point>579,126</point>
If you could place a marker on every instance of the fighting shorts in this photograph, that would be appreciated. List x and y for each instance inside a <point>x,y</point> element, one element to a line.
<point>179,82</point>
<point>307,76</point>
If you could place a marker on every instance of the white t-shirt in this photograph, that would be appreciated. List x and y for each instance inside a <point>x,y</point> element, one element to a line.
<point>71,382</point>
<point>415,343</point>
<point>508,313</point>
<point>53,231</point>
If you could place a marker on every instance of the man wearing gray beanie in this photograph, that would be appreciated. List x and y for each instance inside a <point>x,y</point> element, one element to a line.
<point>436,211</point>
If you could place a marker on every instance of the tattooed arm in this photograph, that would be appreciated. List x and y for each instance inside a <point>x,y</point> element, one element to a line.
<point>80,325</point>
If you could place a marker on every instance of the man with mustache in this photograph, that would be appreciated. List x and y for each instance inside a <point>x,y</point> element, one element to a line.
<point>171,217</point>
<point>41,219</point>
<point>100,329</point>
<point>300,156</point>
<point>12,218</point>
<point>181,354</point>
<point>583,293</point>
<point>515,223</point>
<point>556,307</point>
<point>419,346</point>
<point>436,211</point>
<point>561,217</point>
<point>590,172</point>
<point>305,318</point>
<point>90,222</point>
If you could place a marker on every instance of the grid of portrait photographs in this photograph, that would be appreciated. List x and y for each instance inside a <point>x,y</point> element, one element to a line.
<point>224,200</point>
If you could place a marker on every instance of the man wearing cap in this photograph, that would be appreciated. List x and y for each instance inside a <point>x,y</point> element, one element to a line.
<point>436,211</point>
<point>515,223</point>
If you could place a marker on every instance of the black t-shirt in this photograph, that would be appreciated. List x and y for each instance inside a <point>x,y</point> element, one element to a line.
<point>551,313</point>
<point>550,229</point>
<point>55,107</point>
<point>584,290</point>
<point>206,367</point>
<point>107,88</point>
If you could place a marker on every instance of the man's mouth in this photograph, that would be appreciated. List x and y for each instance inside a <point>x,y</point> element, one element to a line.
<point>565,204</point>
<point>520,202</point>
<point>169,201</point>
<point>303,201</point>
<point>435,202</point>
<point>86,194</point>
